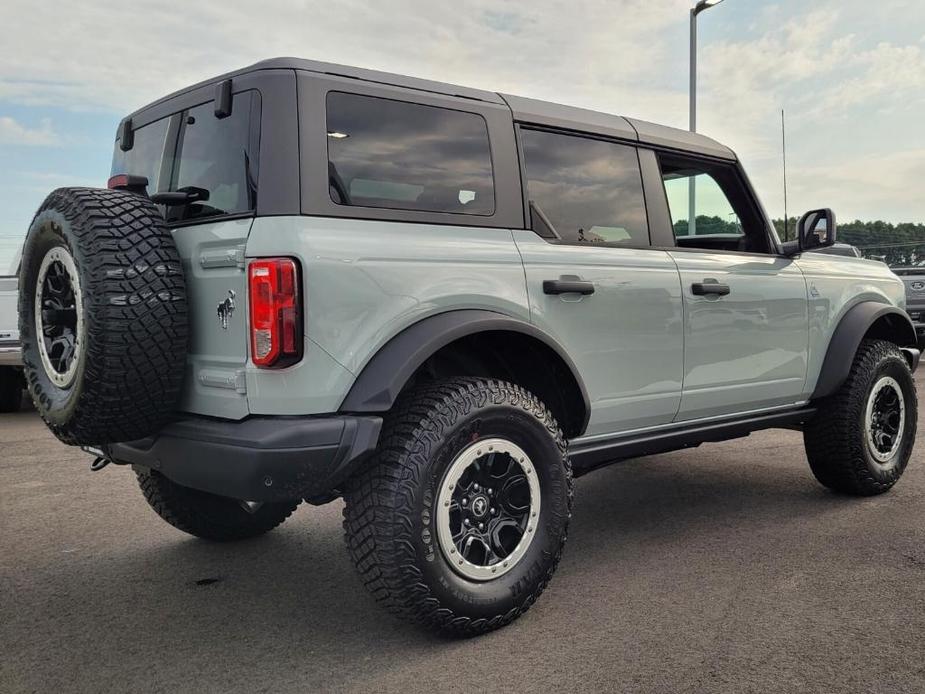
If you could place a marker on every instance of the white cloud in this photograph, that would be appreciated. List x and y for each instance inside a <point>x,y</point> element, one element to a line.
<point>868,187</point>
<point>885,74</point>
<point>118,56</point>
<point>13,133</point>
<point>833,65</point>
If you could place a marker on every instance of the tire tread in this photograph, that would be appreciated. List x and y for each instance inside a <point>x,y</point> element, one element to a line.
<point>378,514</point>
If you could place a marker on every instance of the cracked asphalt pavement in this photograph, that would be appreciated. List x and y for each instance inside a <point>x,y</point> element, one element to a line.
<point>722,568</point>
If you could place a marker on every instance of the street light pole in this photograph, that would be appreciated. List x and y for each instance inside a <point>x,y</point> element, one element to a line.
<point>691,202</point>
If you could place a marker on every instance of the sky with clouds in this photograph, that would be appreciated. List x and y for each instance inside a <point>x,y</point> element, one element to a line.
<point>850,74</point>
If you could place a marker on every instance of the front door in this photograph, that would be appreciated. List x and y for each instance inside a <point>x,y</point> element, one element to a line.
<point>745,307</point>
<point>595,284</point>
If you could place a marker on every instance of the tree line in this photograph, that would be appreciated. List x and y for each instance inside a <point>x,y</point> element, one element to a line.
<point>895,244</point>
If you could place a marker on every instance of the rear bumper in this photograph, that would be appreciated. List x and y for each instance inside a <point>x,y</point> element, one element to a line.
<point>10,354</point>
<point>259,458</point>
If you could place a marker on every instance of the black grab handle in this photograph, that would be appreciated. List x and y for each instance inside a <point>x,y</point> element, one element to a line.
<point>705,288</point>
<point>567,286</point>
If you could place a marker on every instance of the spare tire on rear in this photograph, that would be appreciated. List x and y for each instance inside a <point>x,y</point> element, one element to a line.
<point>102,316</point>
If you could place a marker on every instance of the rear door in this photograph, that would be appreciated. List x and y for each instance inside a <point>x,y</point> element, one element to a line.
<point>591,235</point>
<point>194,149</point>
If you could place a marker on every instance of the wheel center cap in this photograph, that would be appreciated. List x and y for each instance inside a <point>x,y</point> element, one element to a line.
<point>479,506</point>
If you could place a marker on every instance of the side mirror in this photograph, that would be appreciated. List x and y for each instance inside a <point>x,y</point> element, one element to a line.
<point>816,229</point>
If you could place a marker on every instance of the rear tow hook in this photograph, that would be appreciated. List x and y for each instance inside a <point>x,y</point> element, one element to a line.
<point>99,463</point>
<point>100,460</point>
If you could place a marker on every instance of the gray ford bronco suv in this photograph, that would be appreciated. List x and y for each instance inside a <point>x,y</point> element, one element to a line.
<point>308,281</point>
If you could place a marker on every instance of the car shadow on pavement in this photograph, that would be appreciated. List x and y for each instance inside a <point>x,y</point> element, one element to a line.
<point>205,609</point>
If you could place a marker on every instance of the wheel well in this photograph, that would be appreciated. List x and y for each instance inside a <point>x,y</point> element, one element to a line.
<point>892,328</point>
<point>866,320</point>
<point>517,358</point>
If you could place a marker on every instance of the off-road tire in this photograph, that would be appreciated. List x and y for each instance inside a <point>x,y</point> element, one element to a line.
<point>209,516</point>
<point>133,337</point>
<point>389,515</point>
<point>11,387</point>
<point>835,439</point>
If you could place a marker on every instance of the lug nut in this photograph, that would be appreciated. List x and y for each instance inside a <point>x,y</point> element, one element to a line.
<point>465,501</point>
<point>476,486</point>
<point>481,526</point>
<point>466,522</point>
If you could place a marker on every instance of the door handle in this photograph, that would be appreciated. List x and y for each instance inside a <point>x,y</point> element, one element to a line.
<point>568,285</point>
<point>709,287</point>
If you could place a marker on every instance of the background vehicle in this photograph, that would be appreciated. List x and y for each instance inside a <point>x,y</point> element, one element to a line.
<point>845,249</point>
<point>914,281</point>
<point>310,281</point>
<point>11,378</point>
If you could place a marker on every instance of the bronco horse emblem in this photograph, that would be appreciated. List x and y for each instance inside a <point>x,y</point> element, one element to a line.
<point>226,309</point>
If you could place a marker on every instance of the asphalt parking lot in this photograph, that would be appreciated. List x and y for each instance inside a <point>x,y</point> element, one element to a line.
<point>725,568</point>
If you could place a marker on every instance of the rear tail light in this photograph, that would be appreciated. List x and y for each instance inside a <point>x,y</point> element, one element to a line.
<point>275,312</point>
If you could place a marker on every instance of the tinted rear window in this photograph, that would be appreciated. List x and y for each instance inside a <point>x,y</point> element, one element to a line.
<point>194,149</point>
<point>146,154</point>
<point>590,190</point>
<point>399,155</point>
<point>218,155</point>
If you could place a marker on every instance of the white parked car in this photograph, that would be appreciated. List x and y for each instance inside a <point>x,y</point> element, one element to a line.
<point>11,379</point>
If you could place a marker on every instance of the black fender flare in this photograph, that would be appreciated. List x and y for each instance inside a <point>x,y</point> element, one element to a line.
<point>378,384</point>
<point>846,339</point>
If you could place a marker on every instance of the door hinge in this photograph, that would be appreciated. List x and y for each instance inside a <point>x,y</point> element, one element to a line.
<point>223,257</point>
<point>224,378</point>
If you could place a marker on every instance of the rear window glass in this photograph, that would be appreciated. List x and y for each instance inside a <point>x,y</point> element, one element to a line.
<point>399,155</point>
<point>146,154</point>
<point>218,156</point>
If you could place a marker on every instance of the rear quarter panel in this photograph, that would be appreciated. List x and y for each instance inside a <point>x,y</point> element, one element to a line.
<point>365,281</point>
<point>834,284</point>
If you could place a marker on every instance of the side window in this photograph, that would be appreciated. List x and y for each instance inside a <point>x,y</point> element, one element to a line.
<point>711,196</point>
<point>405,156</point>
<point>146,154</point>
<point>217,156</point>
<point>589,190</point>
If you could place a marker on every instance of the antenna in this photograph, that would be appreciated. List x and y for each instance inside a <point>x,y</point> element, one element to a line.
<point>783,142</point>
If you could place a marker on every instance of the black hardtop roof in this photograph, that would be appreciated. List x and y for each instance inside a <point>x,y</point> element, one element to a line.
<point>524,109</point>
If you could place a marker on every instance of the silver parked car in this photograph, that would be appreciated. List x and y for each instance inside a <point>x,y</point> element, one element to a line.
<point>913,279</point>
<point>310,281</point>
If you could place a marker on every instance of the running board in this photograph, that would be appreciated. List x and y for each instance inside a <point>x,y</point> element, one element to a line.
<point>594,454</point>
